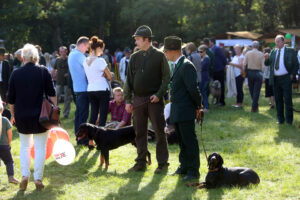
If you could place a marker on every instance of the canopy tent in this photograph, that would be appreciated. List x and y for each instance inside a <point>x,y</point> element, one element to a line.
<point>245,34</point>
<point>232,42</point>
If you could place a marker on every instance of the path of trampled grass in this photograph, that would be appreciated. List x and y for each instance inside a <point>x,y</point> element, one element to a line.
<point>247,139</point>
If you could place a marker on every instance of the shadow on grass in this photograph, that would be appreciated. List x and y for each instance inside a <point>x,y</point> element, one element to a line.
<point>129,189</point>
<point>288,133</point>
<point>215,193</point>
<point>181,189</point>
<point>73,173</point>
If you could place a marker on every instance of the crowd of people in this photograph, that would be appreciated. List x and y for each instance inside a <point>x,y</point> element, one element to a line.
<point>143,79</point>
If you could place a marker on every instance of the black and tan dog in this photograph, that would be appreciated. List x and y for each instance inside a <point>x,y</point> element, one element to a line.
<point>108,139</point>
<point>218,175</point>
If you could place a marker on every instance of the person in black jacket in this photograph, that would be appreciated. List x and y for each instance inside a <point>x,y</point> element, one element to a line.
<point>27,86</point>
<point>186,102</point>
<point>5,72</point>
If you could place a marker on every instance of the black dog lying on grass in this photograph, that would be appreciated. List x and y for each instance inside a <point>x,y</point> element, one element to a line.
<point>108,139</point>
<point>218,175</point>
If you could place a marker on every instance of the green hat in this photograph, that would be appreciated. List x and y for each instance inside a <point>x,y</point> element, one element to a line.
<point>2,51</point>
<point>143,31</point>
<point>172,43</point>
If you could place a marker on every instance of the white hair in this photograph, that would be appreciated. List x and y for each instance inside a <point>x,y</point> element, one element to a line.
<point>255,44</point>
<point>30,53</point>
<point>18,52</point>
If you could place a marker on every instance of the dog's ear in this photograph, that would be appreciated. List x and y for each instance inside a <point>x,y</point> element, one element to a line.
<point>92,131</point>
<point>209,157</point>
<point>220,160</point>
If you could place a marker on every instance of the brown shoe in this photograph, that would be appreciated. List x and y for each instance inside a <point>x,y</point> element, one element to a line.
<point>39,185</point>
<point>137,167</point>
<point>162,168</point>
<point>11,179</point>
<point>24,183</point>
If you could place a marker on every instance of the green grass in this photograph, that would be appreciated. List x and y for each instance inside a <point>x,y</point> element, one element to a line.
<point>243,138</point>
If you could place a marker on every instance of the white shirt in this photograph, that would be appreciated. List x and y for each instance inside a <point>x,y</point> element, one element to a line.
<point>1,71</point>
<point>167,111</point>
<point>122,68</point>
<point>282,70</point>
<point>94,73</point>
<point>178,59</point>
<point>235,60</point>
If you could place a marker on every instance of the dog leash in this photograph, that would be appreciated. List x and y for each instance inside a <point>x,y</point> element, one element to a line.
<point>200,122</point>
<point>141,104</point>
<point>298,111</point>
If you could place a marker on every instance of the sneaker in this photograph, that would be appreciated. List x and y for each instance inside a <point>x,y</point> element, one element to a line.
<point>137,167</point>
<point>162,168</point>
<point>11,179</point>
<point>238,105</point>
<point>205,110</point>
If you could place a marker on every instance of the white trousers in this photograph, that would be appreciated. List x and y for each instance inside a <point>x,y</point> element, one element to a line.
<point>40,145</point>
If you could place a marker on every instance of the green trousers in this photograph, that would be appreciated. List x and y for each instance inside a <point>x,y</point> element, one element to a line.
<point>283,98</point>
<point>189,149</point>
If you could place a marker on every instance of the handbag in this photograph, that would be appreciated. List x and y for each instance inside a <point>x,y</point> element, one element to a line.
<point>49,116</point>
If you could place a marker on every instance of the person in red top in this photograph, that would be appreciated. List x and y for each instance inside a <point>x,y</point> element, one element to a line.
<point>117,109</point>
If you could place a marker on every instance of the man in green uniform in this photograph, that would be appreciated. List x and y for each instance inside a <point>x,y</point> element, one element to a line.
<point>62,73</point>
<point>284,66</point>
<point>147,80</point>
<point>186,101</point>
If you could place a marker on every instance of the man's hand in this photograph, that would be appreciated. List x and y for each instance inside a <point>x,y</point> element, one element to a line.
<point>154,99</point>
<point>198,115</point>
<point>292,77</point>
<point>129,108</point>
<point>12,120</point>
<point>267,56</point>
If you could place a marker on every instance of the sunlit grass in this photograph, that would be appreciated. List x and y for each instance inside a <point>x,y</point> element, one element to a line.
<point>243,138</point>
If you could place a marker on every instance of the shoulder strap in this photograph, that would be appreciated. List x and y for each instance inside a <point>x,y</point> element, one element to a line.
<point>43,84</point>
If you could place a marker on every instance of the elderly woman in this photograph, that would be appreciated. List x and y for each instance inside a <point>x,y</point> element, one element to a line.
<point>239,72</point>
<point>27,86</point>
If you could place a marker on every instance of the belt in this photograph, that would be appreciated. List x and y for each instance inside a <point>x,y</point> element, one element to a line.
<point>280,75</point>
<point>254,70</point>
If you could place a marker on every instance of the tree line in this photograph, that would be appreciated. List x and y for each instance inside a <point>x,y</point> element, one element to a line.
<point>52,23</point>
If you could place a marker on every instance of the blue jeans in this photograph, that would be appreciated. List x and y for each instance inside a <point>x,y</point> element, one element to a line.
<point>254,82</point>
<point>5,155</point>
<point>239,80</point>
<point>203,86</point>
<point>82,109</point>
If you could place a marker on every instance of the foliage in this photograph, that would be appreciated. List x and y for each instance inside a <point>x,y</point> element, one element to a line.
<point>52,23</point>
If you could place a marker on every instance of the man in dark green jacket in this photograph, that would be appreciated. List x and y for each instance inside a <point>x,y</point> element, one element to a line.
<point>186,100</point>
<point>284,66</point>
<point>148,76</point>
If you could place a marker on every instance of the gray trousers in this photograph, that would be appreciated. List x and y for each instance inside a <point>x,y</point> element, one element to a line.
<point>155,111</point>
<point>255,79</point>
<point>67,97</point>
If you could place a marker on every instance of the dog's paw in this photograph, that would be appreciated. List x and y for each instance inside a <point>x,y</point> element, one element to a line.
<point>91,147</point>
<point>200,186</point>
<point>192,184</point>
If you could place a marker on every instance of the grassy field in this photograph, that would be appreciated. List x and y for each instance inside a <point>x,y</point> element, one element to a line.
<point>243,138</point>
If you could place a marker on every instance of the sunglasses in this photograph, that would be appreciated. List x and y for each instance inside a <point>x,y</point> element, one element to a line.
<point>201,51</point>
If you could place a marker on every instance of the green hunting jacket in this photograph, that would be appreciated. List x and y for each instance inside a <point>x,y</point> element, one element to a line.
<point>290,62</point>
<point>185,94</point>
